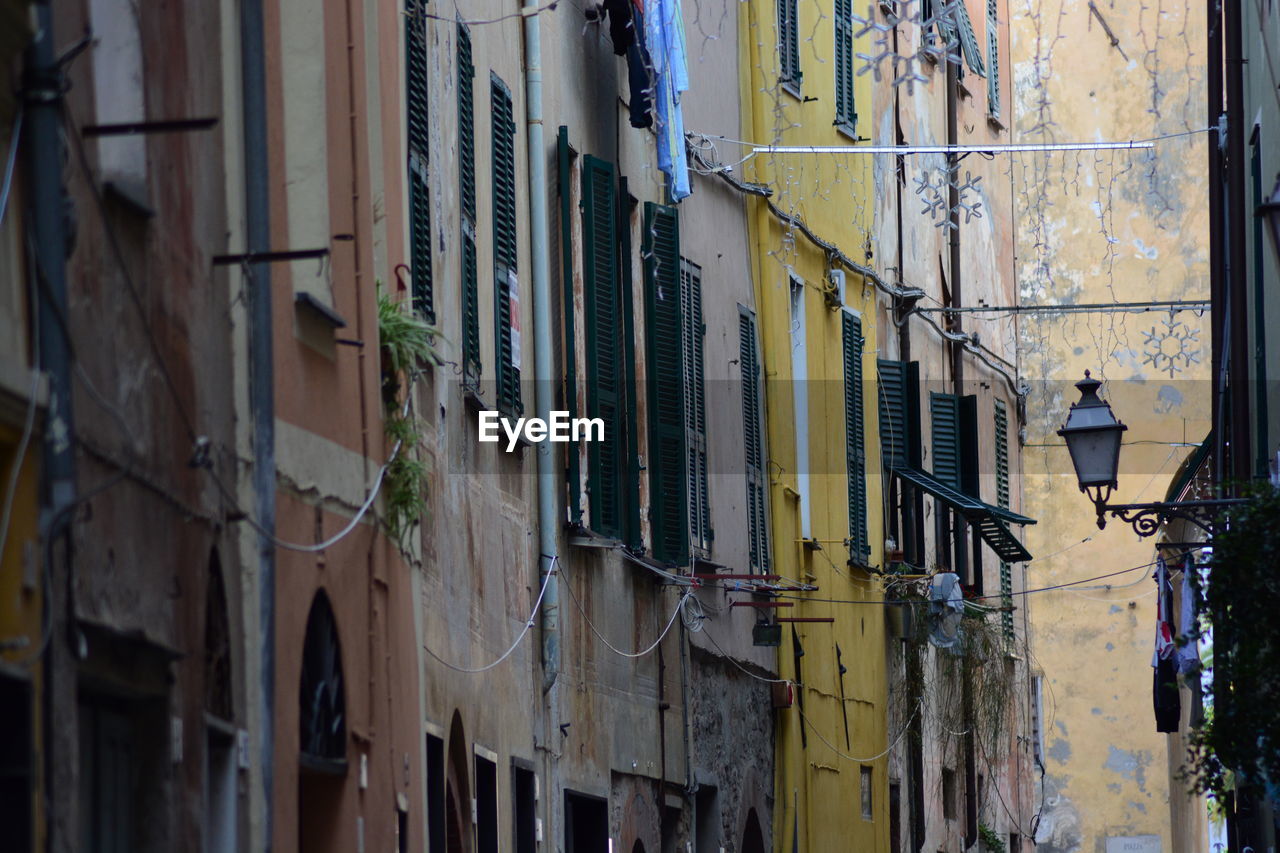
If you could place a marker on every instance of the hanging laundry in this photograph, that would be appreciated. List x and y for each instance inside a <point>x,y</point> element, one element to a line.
<point>1165,697</point>
<point>946,609</point>
<point>1188,648</point>
<point>621,24</point>
<point>664,37</point>
<point>639,71</point>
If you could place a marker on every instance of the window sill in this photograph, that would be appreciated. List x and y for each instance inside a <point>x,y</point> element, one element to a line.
<point>996,124</point>
<point>850,131</point>
<point>792,88</point>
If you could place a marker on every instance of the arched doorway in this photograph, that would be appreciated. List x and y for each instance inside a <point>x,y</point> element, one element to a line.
<point>322,731</point>
<point>638,847</point>
<point>457,791</point>
<point>753,835</point>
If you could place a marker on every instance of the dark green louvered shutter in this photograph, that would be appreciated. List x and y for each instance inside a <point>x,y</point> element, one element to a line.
<point>417,121</point>
<point>789,41</point>
<point>753,441</point>
<point>968,39</point>
<point>605,473</point>
<point>471,363</point>
<point>944,414</point>
<point>695,409</point>
<point>846,118</point>
<point>899,403</point>
<point>573,474</point>
<point>506,322</point>
<point>1002,500</point>
<point>855,438</point>
<point>667,498</point>
<point>993,58</point>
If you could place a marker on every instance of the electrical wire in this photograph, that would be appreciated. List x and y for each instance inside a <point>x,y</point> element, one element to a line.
<point>906,727</point>
<point>743,669</point>
<point>684,596</point>
<point>528,625</point>
<point>523,13</point>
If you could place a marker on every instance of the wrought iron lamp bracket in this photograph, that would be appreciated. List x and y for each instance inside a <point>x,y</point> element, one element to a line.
<point>1147,518</point>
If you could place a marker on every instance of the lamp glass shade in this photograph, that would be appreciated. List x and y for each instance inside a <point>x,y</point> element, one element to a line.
<point>1092,435</point>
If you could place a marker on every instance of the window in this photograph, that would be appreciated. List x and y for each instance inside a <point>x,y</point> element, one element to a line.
<point>789,43</point>
<point>669,516</point>
<point>435,793</point>
<point>486,801</point>
<point>846,118</point>
<point>948,793</point>
<point>471,366</point>
<point>586,823</point>
<point>855,439</point>
<point>109,776</point>
<point>706,832</point>
<point>524,809</point>
<point>1002,500</point>
<point>993,58</point>
<point>898,391</point>
<point>692,332</point>
<point>944,422</point>
<point>800,401</point>
<point>417,122</point>
<point>16,779</point>
<point>506,284</point>
<point>866,793</point>
<point>753,442</point>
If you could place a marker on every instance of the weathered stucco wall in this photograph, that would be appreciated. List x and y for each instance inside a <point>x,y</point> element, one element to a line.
<point>1103,227</point>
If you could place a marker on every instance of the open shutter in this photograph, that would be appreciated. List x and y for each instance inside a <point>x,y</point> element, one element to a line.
<point>605,478</point>
<point>855,438</point>
<point>968,39</point>
<point>846,118</point>
<point>753,441</point>
<point>417,123</point>
<point>1002,500</point>
<point>899,401</point>
<point>667,491</point>
<point>573,474</point>
<point>695,411</point>
<point>471,364</point>
<point>993,58</point>
<point>944,414</point>
<point>506,284</point>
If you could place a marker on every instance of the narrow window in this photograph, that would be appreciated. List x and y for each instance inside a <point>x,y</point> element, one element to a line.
<point>846,118</point>
<point>866,793</point>
<point>506,284</point>
<point>1002,500</point>
<point>418,123</point>
<point>800,401</point>
<point>486,804</point>
<point>789,43</point>
<point>692,332</point>
<point>753,442</point>
<point>993,58</point>
<point>669,516</point>
<point>435,794</point>
<point>471,366</point>
<point>855,439</point>
<point>944,418</point>
<point>524,809</point>
<point>948,793</point>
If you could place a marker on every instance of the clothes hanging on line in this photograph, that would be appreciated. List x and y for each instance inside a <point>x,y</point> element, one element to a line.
<point>1165,696</point>
<point>665,40</point>
<point>639,73</point>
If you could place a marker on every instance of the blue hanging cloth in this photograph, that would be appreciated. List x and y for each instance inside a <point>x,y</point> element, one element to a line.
<point>664,36</point>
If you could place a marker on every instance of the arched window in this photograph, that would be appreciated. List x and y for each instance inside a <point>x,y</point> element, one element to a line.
<point>321,694</point>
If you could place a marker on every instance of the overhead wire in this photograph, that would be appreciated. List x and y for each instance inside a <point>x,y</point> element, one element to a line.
<point>684,596</point>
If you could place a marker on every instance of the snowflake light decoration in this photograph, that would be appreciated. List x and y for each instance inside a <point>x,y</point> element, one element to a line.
<point>1173,348</point>
<point>934,197</point>
<point>906,65</point>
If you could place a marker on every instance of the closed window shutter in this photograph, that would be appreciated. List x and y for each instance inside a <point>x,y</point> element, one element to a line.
<point>667,499</point>
<point>417,122</point>
<point>944,414</point>
<point>753,442</point>
<point>504,248</point>
<point>855,439</point>
<point>845,116</point>
<point>789,41</point>
<point>471,363</point>
<point>1002,500</point>
<point>573,474</point>
<point>695,410</point>
<point>605,473</point>
<point>993,58</point>
<point>899,401</point>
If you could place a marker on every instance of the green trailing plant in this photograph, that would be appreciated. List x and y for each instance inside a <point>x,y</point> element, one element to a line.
<point>991,840</point>
<point>406,345</point>
<point>1239,739</point>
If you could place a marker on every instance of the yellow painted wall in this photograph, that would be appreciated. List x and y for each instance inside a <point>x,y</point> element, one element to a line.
<point>1098,227</point>
<point>818,785</point>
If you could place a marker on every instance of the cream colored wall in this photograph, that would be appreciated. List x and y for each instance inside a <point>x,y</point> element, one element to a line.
<point>1098,227</point>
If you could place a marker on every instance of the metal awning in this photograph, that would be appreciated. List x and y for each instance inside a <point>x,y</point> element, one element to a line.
<point>991,522</point>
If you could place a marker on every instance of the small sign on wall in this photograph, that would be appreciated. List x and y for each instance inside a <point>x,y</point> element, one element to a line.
<point>1133,844</point>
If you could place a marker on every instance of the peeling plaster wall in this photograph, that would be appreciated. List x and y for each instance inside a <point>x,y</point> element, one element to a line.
<point>1099,227</point>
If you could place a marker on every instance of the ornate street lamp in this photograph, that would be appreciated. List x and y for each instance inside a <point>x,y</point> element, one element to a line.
<point>1270,211</point>
<point>1092,435</point>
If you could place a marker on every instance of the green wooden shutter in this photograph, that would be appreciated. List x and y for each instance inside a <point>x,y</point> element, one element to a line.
<point>695,410</point>
<point>632,534</point>
<point>1002,499</point>
<point>993,58</point>
<point>605,472</point>
<point>968,39</point>
<point>753,442</point>
<point>573,473</point>
<point>899,400</point>
<point>667,494</point>
<point>417,122</point>
<point>846,118</point>
<point>944,415</point>
<point>789,41</point>
<point>471,362</point>
<point>506,323</point>
<point>855,438</point>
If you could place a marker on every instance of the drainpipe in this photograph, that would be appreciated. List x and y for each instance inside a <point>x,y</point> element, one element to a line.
<point>1238,296</point>
<point>1213,84</point>
<point>261,397</point>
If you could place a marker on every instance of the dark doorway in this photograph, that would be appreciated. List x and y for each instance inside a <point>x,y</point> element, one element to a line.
<point>322,731</point>
<point>486,805</point>
<point>15,762</point>
<point>524,792</point>
<point>586,824</point>
<point>753,835</point>
<point>435,794</point>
